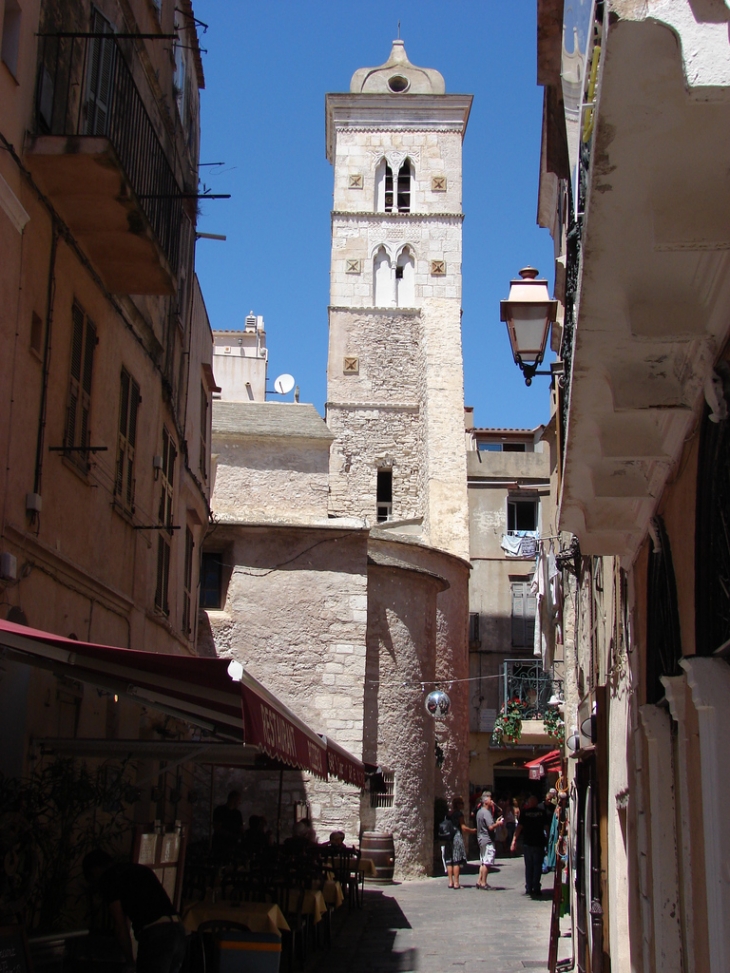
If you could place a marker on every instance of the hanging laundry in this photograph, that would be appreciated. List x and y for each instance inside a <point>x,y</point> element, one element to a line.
<point>522,544</point>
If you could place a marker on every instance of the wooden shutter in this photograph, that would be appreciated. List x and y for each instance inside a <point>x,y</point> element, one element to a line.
<point>134,400</point>
<point>123,413</point>
<point>129,399</point>
<point>163,574</point>
<point>524,605</point>
<point>74,392</point>
<point>78,411</point>
<point>404,188</point>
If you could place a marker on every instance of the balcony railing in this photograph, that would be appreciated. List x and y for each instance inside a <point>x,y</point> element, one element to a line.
<point>86,88</point>
<point>528,682</point>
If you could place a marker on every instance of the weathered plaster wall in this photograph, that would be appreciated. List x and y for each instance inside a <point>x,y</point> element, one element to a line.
<point>295,615</point>
<point>270,479</point>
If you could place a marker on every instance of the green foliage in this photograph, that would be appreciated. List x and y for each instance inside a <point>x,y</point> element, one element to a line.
<point>554,724</point>
<point>54,817</point>
<point>508,725</point>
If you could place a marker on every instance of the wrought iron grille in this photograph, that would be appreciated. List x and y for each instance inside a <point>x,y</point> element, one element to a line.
<point>527,681</point>
<point>86,88</point>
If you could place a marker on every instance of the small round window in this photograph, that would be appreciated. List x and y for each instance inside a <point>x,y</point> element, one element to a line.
<point>398,83</point>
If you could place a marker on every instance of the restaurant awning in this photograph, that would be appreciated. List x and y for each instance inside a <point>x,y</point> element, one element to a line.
<point>549,763</point>
<point>342,764</point>
<point>217,695</point>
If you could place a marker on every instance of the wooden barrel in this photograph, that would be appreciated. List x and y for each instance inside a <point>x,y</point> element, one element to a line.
<point>380,849</point>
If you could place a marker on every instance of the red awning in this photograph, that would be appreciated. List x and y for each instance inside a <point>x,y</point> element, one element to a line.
<point>342,764</point>
<point>231,705</point>
<point>549,763</point>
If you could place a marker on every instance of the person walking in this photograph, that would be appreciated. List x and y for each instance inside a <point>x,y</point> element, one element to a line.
<point>453,851</point>
<point>486,825</point>
<point>531,828</point>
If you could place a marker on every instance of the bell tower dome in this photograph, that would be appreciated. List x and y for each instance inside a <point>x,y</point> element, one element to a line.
<point>395,371</point>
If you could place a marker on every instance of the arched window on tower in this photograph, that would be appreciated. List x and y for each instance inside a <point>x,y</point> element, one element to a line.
<point>383,188</point>
<point>383,295</point>
<point>404,187</point>
<point>405,272</point>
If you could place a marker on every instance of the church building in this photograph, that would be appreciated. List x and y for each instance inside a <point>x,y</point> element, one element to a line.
<point>342,544</point>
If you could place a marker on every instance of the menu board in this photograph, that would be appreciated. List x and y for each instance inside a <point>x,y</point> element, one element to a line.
<point>13,950</point>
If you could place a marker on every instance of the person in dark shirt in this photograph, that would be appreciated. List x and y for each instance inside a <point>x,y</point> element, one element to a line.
<point>133,892</point>
<point>533,820</point>
<point>227,826</point>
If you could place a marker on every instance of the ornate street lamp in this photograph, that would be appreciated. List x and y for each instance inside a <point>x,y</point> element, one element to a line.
<point>529,313</point>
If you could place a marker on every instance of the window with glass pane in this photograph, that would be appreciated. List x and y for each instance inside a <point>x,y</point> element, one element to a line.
<point>211,580</point>
<point>521,514</point>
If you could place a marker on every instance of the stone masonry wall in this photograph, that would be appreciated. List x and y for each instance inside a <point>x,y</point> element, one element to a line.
<point>451,656</point>
<point>375,413</point>
<point>447,520</point>
<point>295,615</point>
<point>431,154</point>
<point>399,734</point>
<point>270,478</point>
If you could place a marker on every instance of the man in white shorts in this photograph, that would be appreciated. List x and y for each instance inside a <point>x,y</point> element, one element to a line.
<point>486,824</point>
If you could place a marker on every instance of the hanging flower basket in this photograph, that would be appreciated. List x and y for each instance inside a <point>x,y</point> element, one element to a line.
<point>508,725</point>
<point>554,724</point>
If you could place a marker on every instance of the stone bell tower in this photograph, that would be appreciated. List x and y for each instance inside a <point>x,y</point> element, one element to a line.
<point>395,372</point>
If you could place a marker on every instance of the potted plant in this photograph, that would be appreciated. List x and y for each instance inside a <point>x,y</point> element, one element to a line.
<point>508,725</point>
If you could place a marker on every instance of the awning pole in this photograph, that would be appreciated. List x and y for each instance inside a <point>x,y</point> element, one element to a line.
<point>278,809</point>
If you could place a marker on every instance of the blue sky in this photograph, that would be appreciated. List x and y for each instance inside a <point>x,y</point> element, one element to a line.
<point>268,67</point>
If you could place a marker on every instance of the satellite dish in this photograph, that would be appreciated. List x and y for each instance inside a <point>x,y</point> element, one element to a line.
<point>284,383</point>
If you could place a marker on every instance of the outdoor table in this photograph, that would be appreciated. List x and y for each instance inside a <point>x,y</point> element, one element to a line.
<point>332,892</point>
<point>261,917</point>
<point>367,868</point>
<point>314,903</point>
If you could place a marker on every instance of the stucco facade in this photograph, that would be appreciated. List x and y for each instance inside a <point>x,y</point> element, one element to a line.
<point>105,373</point>
<point>632,192</point>
<point>506,467</point>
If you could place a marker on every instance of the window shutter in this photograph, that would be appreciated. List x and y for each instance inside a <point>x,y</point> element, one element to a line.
<point>530,612</point>
<point>123,412</point>
<point>89,346</point>
<point>77,344</point>
<point>388,188</point>
<point>518,615</point>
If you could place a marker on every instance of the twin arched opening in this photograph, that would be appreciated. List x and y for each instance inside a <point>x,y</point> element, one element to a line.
<point>394,285</point>
<point>393,194</point>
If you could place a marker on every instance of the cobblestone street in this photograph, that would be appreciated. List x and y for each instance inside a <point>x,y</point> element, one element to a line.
<point>423,926</point>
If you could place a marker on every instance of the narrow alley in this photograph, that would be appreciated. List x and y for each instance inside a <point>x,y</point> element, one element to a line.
<point>423,926</point>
